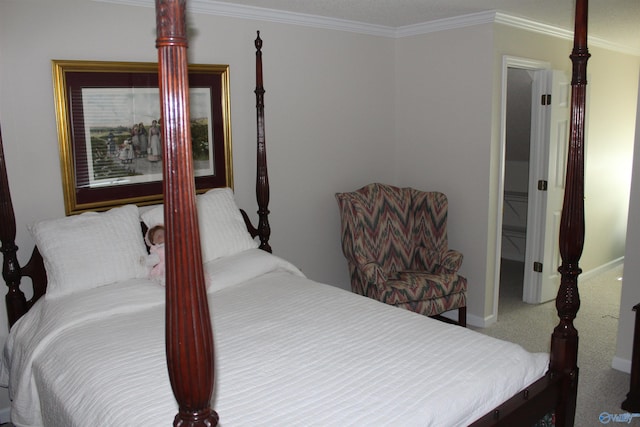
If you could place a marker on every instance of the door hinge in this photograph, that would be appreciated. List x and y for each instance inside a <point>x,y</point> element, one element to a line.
<point>537,267</point>
<point>545,99</point>
<point>542,185</point>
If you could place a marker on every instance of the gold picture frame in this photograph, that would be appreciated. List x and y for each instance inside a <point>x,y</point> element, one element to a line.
<point>109,131</point>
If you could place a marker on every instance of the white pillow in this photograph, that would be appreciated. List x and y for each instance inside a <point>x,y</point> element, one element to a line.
<point>91,249</point>
<point>222,228</point>
<point>154,216</point>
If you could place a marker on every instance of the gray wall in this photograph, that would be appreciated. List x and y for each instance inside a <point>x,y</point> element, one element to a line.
<point>443,128</point>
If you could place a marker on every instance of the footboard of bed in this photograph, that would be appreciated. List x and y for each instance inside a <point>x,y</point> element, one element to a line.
<point>528,406</point>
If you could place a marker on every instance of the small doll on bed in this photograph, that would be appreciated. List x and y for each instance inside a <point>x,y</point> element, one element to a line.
<point>155,240</point>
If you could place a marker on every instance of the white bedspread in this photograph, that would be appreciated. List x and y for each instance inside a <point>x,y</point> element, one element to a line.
<point>289,352</point>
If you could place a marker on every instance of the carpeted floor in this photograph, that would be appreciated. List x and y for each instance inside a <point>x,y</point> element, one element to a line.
<point>601,388</point>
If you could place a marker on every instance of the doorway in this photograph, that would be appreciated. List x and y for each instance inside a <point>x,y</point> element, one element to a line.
<point>524,130</point>
<point>517,151</point>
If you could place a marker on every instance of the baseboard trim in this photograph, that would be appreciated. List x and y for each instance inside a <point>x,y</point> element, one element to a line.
<point>480,322</point>
<point>601,269</point>
<point>620,364</point>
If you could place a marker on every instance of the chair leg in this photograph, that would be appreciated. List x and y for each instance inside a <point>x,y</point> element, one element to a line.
<point>462,316</point>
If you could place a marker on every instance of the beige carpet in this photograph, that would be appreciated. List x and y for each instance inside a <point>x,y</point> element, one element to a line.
<point>601,388</point>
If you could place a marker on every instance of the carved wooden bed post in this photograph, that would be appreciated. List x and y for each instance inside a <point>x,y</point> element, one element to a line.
<point>564,341</point>
<point>189,336</point>
<point>262,177</point>
<point>11,272</point>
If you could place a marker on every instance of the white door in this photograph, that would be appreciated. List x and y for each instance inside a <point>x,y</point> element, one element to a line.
<point>549,145</point>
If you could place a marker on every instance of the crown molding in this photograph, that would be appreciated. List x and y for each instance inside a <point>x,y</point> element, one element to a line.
<point>284,17</point>
<point>231,10</point>
<point>446,24</point>
<point>219,8</point>
<point>549,30</point>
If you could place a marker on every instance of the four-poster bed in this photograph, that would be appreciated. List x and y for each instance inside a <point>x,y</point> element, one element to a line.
<point>280,356</point>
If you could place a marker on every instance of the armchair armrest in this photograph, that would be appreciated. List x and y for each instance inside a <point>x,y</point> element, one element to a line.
<point>451,261</point>
<point>436,262</point>
<point>372,273</point>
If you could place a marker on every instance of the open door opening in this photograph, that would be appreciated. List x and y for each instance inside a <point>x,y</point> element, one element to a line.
<point>535,116</point>
<point>516,182</point>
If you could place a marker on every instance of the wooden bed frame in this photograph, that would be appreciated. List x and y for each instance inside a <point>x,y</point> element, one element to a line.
<point>189,350</point>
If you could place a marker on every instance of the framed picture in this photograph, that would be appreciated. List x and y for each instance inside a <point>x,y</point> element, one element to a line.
<point>110,131</point>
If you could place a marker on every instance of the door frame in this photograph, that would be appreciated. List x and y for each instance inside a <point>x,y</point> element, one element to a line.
<point>534,66</point>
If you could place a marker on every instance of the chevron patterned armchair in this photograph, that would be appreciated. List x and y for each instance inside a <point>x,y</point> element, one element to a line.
<point>395,242</point>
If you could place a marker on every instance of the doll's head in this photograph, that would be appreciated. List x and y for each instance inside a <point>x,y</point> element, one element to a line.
<point>156,235</point>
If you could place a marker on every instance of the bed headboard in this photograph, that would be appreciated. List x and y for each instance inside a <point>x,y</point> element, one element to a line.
<point>13,272</point>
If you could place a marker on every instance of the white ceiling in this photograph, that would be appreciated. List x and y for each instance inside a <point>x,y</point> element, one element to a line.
<point>615,21</point>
